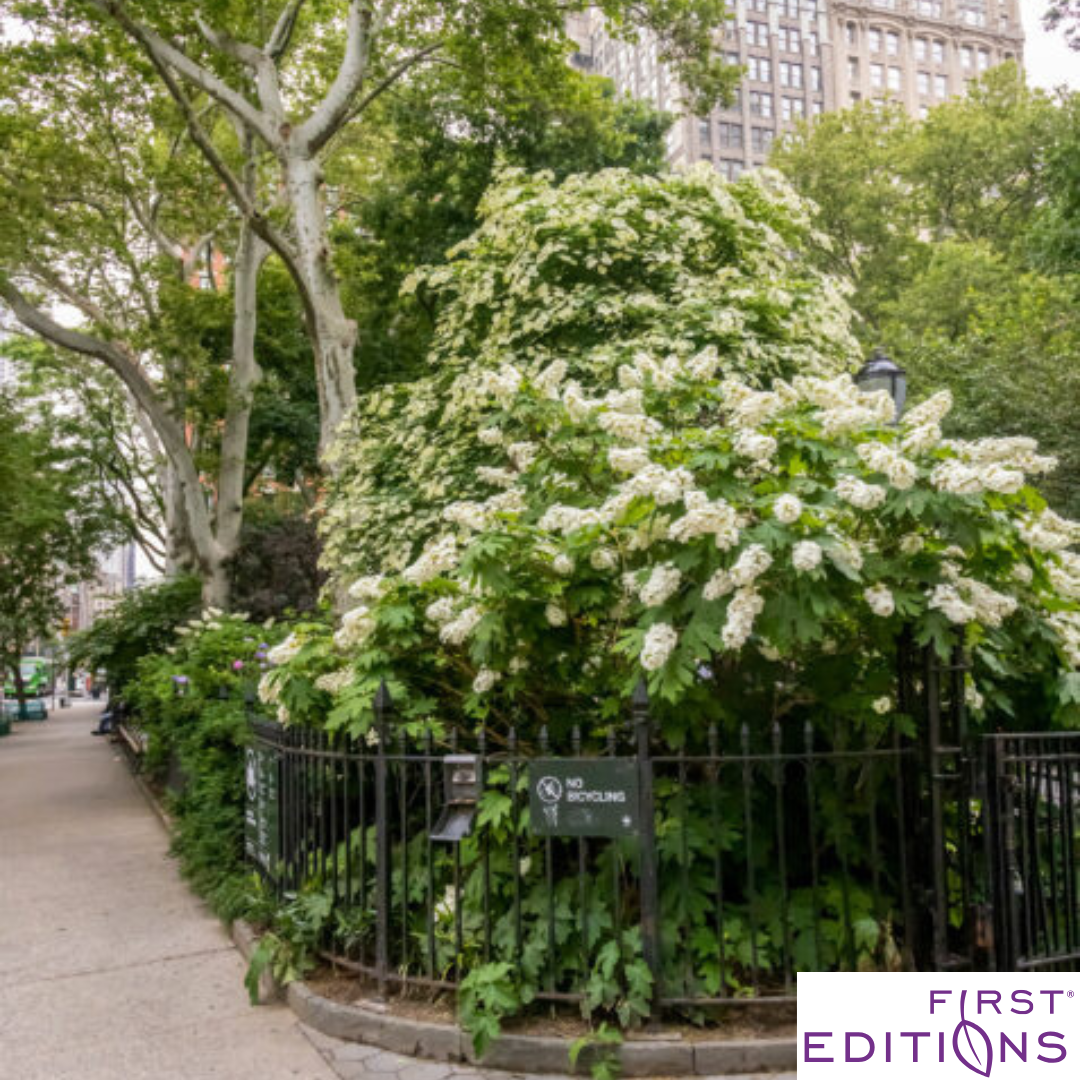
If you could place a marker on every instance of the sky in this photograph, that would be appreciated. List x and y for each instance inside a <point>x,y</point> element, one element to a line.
<point>1049,62</point>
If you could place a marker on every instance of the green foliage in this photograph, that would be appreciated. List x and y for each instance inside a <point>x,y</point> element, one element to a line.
<point>190,701</point>
<point>603,1042</point>
<point>54,519</point>
<point>143,621</point>
<point>960,235</point>
<point>486,996</point>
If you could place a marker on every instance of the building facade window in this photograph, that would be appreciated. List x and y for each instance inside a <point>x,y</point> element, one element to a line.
<point>760,103</point>
<point>984,60</point>
<point>941,86</point>
<point>877,76</point>
<point>874,39</point>
<point>853,69</point>
<point>731,136</point>
<point>759,68</point>
<point>815,79</point>
<point>761,140</point>
<point>704,132</point>
<point>817,108</point>
<point>922,82</point>
<point>894,78</point>
<point>937,50</point>
<point>892,43</point>
<point>791,75</point>
<point>932,8</point>
<point>851,32</point>
<point>792,108</point>
<point>967,57</point>
<point>922,47</point>
<point>757,33</point>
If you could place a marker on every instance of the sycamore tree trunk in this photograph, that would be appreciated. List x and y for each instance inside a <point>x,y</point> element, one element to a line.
<point>333,334</point>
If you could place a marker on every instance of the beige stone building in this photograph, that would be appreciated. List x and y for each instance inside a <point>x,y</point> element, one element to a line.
<point>805,57</point>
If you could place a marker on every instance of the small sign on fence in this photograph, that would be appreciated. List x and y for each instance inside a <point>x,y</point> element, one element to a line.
<point>584,797</point>
<point>262,832</point>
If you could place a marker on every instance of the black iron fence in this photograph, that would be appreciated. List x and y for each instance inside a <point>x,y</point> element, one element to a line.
<point>626,873</point>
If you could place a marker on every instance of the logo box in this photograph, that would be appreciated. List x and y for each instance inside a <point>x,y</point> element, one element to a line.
<point>898,1026</point>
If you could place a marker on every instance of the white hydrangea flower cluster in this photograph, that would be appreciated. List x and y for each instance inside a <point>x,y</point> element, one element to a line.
<point>356,626</point>
<point>628,459</point>
<point>550,379</point>
<point>1065,574</point>
<point>440,611</point>
<point>568,519</point>
<point>367,588</point>
<point>333,682</point>
<point>665,486</point>
<point>502,385</point>
<point>806,556</point>
<point>659,644</point>
<point>563,564</point>
<point>761,449</point>
<point>458,630</point>
<point>842,406</point>
<point>751,408</point>
<point>471,516</point>
<point>661,585</point>
<point>1066,624</point>
<point>284,651</point>
<point>898,470</point>
<point>555,615</point>
<point>858,493</point>
<point>603,558</point>
<point>752,562</point>
<point>787,509</point>
<point>490,474</point>
<point>1050,532</point>
<point>437,558</point>
<point>485,680</point>
<point>880,599</point>
<point>706,517</point>
<point>744,608</point>
<point>522,454</point>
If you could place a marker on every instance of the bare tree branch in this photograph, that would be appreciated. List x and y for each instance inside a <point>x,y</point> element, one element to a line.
<point>166,53</point>
<point>333,111</point>
<point>281,35</point>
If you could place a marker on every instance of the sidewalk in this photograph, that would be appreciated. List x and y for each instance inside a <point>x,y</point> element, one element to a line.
<point>110,969</point>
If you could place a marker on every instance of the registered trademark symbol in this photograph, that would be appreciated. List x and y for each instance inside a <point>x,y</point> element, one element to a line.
<point>1071,993</point>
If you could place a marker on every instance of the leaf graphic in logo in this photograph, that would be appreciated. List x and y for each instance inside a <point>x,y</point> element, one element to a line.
<point>978,1050</point>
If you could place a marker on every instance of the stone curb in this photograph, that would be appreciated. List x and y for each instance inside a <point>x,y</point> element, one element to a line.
<point>522,1053</point>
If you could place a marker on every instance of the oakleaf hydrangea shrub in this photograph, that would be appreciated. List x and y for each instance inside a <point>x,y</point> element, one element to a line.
<point>594,487</point>
<point>588,273</point>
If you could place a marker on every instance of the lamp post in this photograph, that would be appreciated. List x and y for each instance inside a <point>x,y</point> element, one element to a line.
<point>880,373</point>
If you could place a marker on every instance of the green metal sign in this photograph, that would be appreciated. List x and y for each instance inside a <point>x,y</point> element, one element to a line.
<point>262,828</point>
<point>584,797</point>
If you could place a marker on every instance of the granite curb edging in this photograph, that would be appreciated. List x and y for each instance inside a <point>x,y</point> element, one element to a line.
<point>518,1053</point>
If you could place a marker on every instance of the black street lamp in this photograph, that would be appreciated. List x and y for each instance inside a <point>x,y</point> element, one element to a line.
<point>880,373</point>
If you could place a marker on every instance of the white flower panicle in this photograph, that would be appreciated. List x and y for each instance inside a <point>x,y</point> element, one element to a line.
<point>356,626</point>
<point>630,427</point>
<point>859,494</point>
<point>333,682</point>
<point>485,680</point>
<point>705,517</point>
<point>882,705</point>
<point>603,558</point>
<point>661,585</point>
<point>1049,532</point>
<point>502,385</point>
<point>806,556</point>
<point>931,411</point>
<point>563,565</point>
<point>1066,624</point>
<point>898,470</point>
<point>787,509</point>
<point>489,474</point>
<point>440,611</point>
<point>522,454</point>
<point>664,485</point>
<point>628,459</point>
<point>471,516</point>
<point>752,562</point>
<point>568,519</point>
<point>751,408</point>
<point>880,600</point>
<point>743,609</point>
<point>458,630</point>
<point>555,615</point>
<point>550,379</point>
<point>437,558</point>
<point>759,448</point>
<point>491,436</point>
<point>659,644</point>
<point>946,598</point>
<point>284,651</point>
<point>911,544</point>
<point>367,588</point>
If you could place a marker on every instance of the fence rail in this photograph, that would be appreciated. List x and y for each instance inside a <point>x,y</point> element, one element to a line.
<point>752,857</point>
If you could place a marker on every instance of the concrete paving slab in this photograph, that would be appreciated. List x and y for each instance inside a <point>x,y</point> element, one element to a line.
<point>110,969</point>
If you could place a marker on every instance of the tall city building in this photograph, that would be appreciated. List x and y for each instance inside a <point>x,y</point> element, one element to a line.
<point>805,57</point>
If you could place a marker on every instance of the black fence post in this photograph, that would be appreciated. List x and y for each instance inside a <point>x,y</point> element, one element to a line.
<point>383,706</point>
<point>650,896</point>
